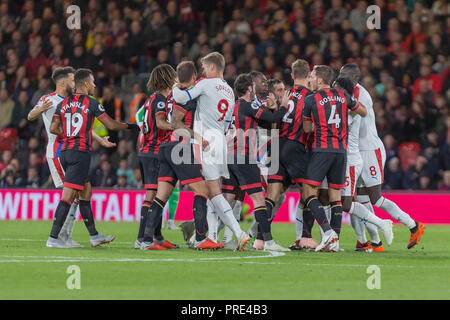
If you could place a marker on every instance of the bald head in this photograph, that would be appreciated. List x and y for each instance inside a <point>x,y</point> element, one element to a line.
<point>350,71</point>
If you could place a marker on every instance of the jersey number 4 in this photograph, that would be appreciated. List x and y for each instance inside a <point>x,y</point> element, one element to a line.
<point>334,117</point>
<point>75,121</point>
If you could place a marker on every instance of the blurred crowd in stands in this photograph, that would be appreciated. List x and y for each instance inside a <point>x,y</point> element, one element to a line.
<point>405,66</point>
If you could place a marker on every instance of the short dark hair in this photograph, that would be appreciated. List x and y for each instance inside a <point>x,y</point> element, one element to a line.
<point>350,70</point>
<point>61,73</point>
<point>81,75</point>
<point>344,84</point>
<point>271,84</point>
<point>256,74</point>
<point>241,84</point>
<point>325,73</point>
<point>185,71</point>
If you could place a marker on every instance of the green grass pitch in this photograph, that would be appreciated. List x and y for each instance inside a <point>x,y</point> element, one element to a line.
<point>28,270</point>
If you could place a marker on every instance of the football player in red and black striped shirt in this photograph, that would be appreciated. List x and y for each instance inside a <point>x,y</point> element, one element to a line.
<point>244,171</point>
<point>327,109</point>
<point>73,121</point>
<point>177,142</point>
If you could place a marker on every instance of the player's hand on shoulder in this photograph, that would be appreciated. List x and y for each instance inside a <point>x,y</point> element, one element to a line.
<point>47,104</point>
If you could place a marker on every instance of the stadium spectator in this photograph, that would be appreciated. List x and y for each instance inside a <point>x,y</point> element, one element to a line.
<point>33,181</point>
<point>124,170</point>
<point>445,185</point>
<point>104,175</point>
<point>6,108</point>
<point>393,176</point>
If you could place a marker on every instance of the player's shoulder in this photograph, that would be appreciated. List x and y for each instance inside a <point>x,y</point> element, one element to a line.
<point>361,92</point>
<point>52,96</point>
<point>158,101</point>
<point>311,97</point>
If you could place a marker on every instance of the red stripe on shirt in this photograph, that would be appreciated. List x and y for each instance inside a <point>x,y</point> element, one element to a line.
<point>322,123</point>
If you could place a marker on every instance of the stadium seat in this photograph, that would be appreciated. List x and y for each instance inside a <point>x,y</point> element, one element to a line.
<point>408,151</point>
<point>8,138</point>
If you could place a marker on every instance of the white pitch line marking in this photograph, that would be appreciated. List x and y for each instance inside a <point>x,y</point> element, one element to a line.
<point>271,254</point>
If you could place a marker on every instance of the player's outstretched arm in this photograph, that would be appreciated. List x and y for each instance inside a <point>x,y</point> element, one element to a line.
<point>183,96</point>
<point>39,109</point>
<point>115,125</point>
<point>104,142</point>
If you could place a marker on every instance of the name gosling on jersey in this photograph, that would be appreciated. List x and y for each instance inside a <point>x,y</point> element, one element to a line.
<point>332,98</point>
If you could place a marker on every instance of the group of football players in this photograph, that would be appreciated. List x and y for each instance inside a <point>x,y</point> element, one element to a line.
<point>256,138</point>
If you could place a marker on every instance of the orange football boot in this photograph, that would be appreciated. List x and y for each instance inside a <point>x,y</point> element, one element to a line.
<point>156,246</point>
<point>169,245</point>
<point>208,244</point>
<point>415,237</point>
<point>377,247</point>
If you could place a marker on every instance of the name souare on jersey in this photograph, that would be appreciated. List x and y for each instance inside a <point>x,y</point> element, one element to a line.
<point>215,104</point>
<point>368,135</point>
<point>53,144</point>
<point>152,136</point>
<point>328,110</point>
<point>77,113</point>
<point>291,126</point>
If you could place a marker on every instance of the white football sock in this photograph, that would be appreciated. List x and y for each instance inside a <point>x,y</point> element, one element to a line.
<point>327,209</point>
<point>213,221</point>
<point>228,234</point>
<point>365,215</point>
<point>358,227</point>
<point>225,213</point>
<point>69,224</point>
<point>299,221</point>
<point>395,212</point>
<point>371,229</point>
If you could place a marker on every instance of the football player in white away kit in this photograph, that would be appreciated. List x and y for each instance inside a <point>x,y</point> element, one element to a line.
<point>46,106</point>
<point>374,156</point>
<point>212,119</point>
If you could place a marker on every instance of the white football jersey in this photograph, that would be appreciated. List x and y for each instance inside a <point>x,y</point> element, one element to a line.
<point>354,124</point>
<point>53,140</point>
<point>215,104</point>
<point>368,135</point>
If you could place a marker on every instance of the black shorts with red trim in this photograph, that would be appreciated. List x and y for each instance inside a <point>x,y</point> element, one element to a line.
<point>294,158</point>
<point>246,177</point>
<point>327,164</point>
<point>76,167</point>
<point>149,171</point>
<point>176,162</point>
<point>293,162</point>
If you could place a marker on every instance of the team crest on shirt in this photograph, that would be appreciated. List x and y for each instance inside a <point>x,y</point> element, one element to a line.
<point>101,108</point>
<point>255,105</point>
<point>161,105</point>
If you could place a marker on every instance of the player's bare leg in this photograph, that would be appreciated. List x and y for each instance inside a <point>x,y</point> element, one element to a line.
<point>416,228</point>
<point>306,240</point>
<point>149,196</point>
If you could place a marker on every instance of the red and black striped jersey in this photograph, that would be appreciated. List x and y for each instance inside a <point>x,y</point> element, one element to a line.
<point>188,110</point>
<point>153,136</point>
<point>291,125</point>
<point>328,110</point>
<point>246,118</point>
<point>77,113</point>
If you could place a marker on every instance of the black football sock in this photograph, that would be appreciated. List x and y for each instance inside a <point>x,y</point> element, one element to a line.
<point>158,235</point>
<point>318,212</point>
<point>144,214</point>
<point>153,219</point>
<point>336,216</point>
<point>88,217</point>
<point>261,216</point>
<point>61,212</point>
<point>415,228</point>
<point>308,223</point>
<point>199,210</point>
